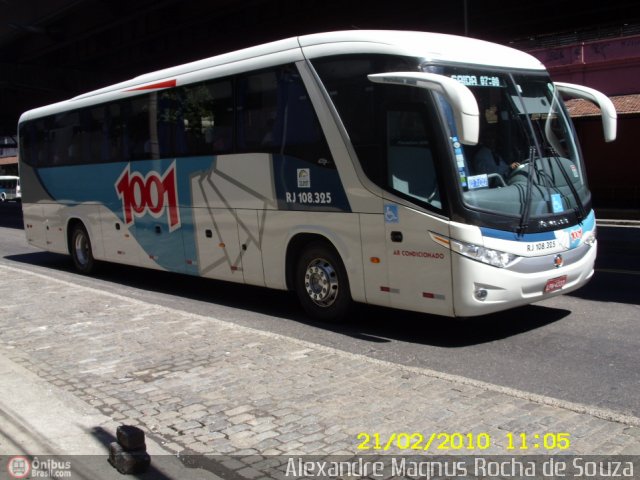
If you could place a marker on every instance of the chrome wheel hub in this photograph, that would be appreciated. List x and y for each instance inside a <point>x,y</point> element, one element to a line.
<point>321,282</point>
<point>81,249</point>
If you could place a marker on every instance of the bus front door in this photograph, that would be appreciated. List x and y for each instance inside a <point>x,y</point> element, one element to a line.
<point>419,269</point>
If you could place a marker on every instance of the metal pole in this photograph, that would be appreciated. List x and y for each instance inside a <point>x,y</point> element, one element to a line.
<point>466,18</point>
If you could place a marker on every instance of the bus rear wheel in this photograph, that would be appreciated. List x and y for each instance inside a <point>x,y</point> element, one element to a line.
<point>321,283</point>
<point>80,249</point>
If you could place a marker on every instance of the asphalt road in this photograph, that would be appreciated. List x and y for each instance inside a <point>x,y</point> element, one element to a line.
<point>583,347</point>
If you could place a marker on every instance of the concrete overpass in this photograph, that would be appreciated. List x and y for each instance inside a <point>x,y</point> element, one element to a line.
<point>53,49</point>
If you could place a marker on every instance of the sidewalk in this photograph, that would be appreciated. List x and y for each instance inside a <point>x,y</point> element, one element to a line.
<point>44,421</point>
<point>78,361</point>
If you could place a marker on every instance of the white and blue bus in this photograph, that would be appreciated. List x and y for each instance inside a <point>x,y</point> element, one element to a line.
<point>419,171</point>
<point>10,188</point>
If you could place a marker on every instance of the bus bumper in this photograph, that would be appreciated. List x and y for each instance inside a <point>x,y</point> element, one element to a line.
<point>479,288</point>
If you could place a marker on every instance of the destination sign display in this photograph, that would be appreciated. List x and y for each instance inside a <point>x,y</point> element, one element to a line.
<point>478,80</point>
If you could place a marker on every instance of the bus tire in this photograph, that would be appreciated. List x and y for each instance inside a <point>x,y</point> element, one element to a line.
<point>321,283</point>
<point>3,197</point>
<point>80,249</point>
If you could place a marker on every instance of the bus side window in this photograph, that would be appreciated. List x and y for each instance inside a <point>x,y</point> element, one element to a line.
<point>29,143</point>
<point>196,119</point>
<point>275,115</point>
<point>302,136</point>
<point>89,138</point>
<point>208,117</point>
<point>170,115</point>
<point>112,129</point>
<point>138,128</point>
<point>257,109</point>
<point>411,170</point>
<point>65,139</point>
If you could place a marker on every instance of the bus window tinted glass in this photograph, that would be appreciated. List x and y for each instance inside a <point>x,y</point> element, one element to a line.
<point>196,119</point>
<point>410,166</point>
<point>387,124</point>
<point>275,115</point>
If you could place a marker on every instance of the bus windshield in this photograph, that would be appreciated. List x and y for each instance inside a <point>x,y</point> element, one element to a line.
<point>526,163</point>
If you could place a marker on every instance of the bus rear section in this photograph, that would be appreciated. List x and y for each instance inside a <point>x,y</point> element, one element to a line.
<point>9,188</point>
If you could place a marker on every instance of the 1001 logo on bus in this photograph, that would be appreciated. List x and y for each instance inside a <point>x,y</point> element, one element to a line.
<point>151,194</point>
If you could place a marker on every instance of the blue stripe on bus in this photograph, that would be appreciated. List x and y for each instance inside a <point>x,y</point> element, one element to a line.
<point>514,237</point>
<point>586,225</point>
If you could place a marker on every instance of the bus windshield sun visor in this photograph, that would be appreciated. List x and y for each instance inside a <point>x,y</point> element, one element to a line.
<point>463,103</point>
<point>609,115</point>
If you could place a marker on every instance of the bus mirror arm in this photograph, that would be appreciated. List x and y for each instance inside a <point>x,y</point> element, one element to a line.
<point>463,103</point>
<point>609,115</point>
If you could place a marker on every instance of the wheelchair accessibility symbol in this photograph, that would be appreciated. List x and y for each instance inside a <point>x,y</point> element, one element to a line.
<point>391,214</point>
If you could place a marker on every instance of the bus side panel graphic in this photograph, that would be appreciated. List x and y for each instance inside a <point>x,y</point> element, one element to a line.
<point>169,205</point>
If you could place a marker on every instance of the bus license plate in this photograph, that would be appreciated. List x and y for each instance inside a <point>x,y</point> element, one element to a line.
<point>555,284</point>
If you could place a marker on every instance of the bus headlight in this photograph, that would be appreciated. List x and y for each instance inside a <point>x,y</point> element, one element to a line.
<point>590,237</point>
<point>489,256</point>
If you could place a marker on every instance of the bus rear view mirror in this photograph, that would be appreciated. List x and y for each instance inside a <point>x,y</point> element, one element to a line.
<point>609,115</point>
<point>462,101</point>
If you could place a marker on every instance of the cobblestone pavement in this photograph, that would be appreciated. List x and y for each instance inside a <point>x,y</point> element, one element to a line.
<point>201,385</point>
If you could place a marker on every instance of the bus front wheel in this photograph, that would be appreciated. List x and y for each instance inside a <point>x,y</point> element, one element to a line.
<point>321,283</point>
<point>80,249</point>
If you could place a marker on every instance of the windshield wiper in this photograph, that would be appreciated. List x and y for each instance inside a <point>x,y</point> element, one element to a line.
<point>535,154</point>
<point>524,219</point>
<point>579,210</point>
<point>526,211</point>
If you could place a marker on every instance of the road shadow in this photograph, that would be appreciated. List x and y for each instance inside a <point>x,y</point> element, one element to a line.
<point>379,323</point>
<point>11,215</point>
<point>611,286</point>
<point>366,323</point>
<point>617,276</point>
